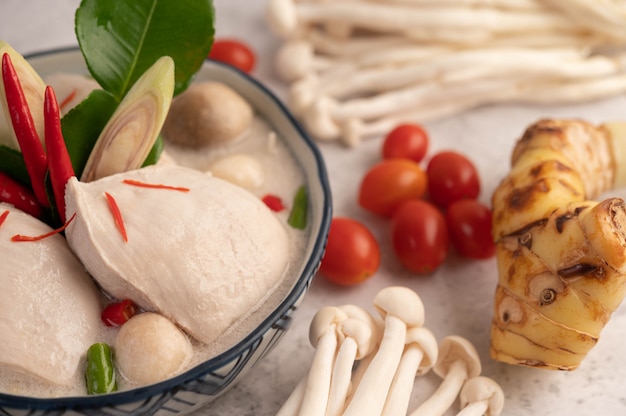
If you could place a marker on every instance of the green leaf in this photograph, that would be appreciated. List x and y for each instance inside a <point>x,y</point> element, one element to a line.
<point>83,124</point>
<point>155,152</point>
<point>12,163</point>
<point>121,39</point>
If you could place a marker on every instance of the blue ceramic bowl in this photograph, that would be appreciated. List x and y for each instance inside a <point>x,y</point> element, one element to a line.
<point>203,383</point>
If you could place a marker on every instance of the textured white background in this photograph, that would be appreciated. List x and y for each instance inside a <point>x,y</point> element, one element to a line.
<point>458,297</point>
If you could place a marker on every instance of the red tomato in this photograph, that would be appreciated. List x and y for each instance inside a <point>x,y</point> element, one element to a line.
<point>234,53</point>
<point>419,236</point>
<point>469,224</point>
<point>390,183</point>
<point>451,176</point>
<point>408,141</point>
<point>352,253</point>
<point>117,314</point>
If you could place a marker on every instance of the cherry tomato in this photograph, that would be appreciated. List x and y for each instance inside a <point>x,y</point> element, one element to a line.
<point>469,225</point>
<point>408,141</point>
<point>117,314</point>
<point>390,183</point>
<point>352,253</point>
<point>234,53</point>
<point>419,236</point>
<point>451,176</point>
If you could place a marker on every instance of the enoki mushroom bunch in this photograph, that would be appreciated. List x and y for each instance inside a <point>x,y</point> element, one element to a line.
<point>388,354</point>
<point>357,68</point>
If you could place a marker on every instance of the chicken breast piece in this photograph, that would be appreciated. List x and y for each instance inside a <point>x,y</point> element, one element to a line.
<point>49,306</point>
<point>205,258</point>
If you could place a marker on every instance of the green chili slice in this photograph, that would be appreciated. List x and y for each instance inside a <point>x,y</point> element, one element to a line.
<point>100,372</point>
<point>298,215</point>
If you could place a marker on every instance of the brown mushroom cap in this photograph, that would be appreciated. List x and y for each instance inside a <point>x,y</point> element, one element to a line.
<point>402,303</point>
<point>453,348</point>
<point>207,113</point>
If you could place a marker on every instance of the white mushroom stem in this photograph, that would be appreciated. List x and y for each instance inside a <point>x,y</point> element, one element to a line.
<point>323,336</point>
<point>285,17</point>
<point>369,397</point>
<point>357,375</point>
<point>297,59</point>
<point>481,396</point>
<point>457,362</point>
<point>401,307</point>
<point>446,393</point>
<point>419,356</point>
<point>359,336</point>
<point>548,40</point>
<point>606,17</point>
<point>340,379</point>
<point>328,119</point>
<point>355,46</point>
<point>453,79</point>
<point>503,4</point>
<point>325,118</point>
<point>373,50</point>
<point>469,65</point>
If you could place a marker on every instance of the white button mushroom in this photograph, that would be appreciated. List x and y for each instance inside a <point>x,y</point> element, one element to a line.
<point>239,169</point>
<point>296,59</point>
<point>149,348</point>
<point>401,307</point>
<point>481,396</point>
<point>207,113</point>
<point>420,354</point>
<point>457,362</point>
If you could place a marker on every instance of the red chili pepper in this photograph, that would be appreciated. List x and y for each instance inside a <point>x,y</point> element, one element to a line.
<point>59,162</point>
<point>25,131</point>
<point>273,202</point>
<point>19,196</point>
<point>116,314</point>
<point>117,215</point>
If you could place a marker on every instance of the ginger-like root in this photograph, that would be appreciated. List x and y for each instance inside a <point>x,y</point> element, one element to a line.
<point>561,255</point>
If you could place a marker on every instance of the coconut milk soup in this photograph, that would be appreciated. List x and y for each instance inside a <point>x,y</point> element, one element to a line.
<point>281,176</point>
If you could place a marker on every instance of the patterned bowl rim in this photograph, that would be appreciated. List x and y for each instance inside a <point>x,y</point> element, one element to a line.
<point>223,359</point>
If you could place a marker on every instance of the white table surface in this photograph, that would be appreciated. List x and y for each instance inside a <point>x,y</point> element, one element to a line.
<point>458,297</point>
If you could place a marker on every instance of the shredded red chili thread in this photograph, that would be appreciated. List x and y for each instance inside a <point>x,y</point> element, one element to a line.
<point>154,185</point>
<point>117,215</point>
<point>18,238</point>
<point>69,98</point>
<point>4,216</point>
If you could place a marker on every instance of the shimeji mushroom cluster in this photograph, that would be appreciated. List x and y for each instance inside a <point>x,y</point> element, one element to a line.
<point>358,68</point>
<point>366,366</point>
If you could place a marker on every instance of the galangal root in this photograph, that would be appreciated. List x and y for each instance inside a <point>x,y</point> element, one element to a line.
<point>561,255</point>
